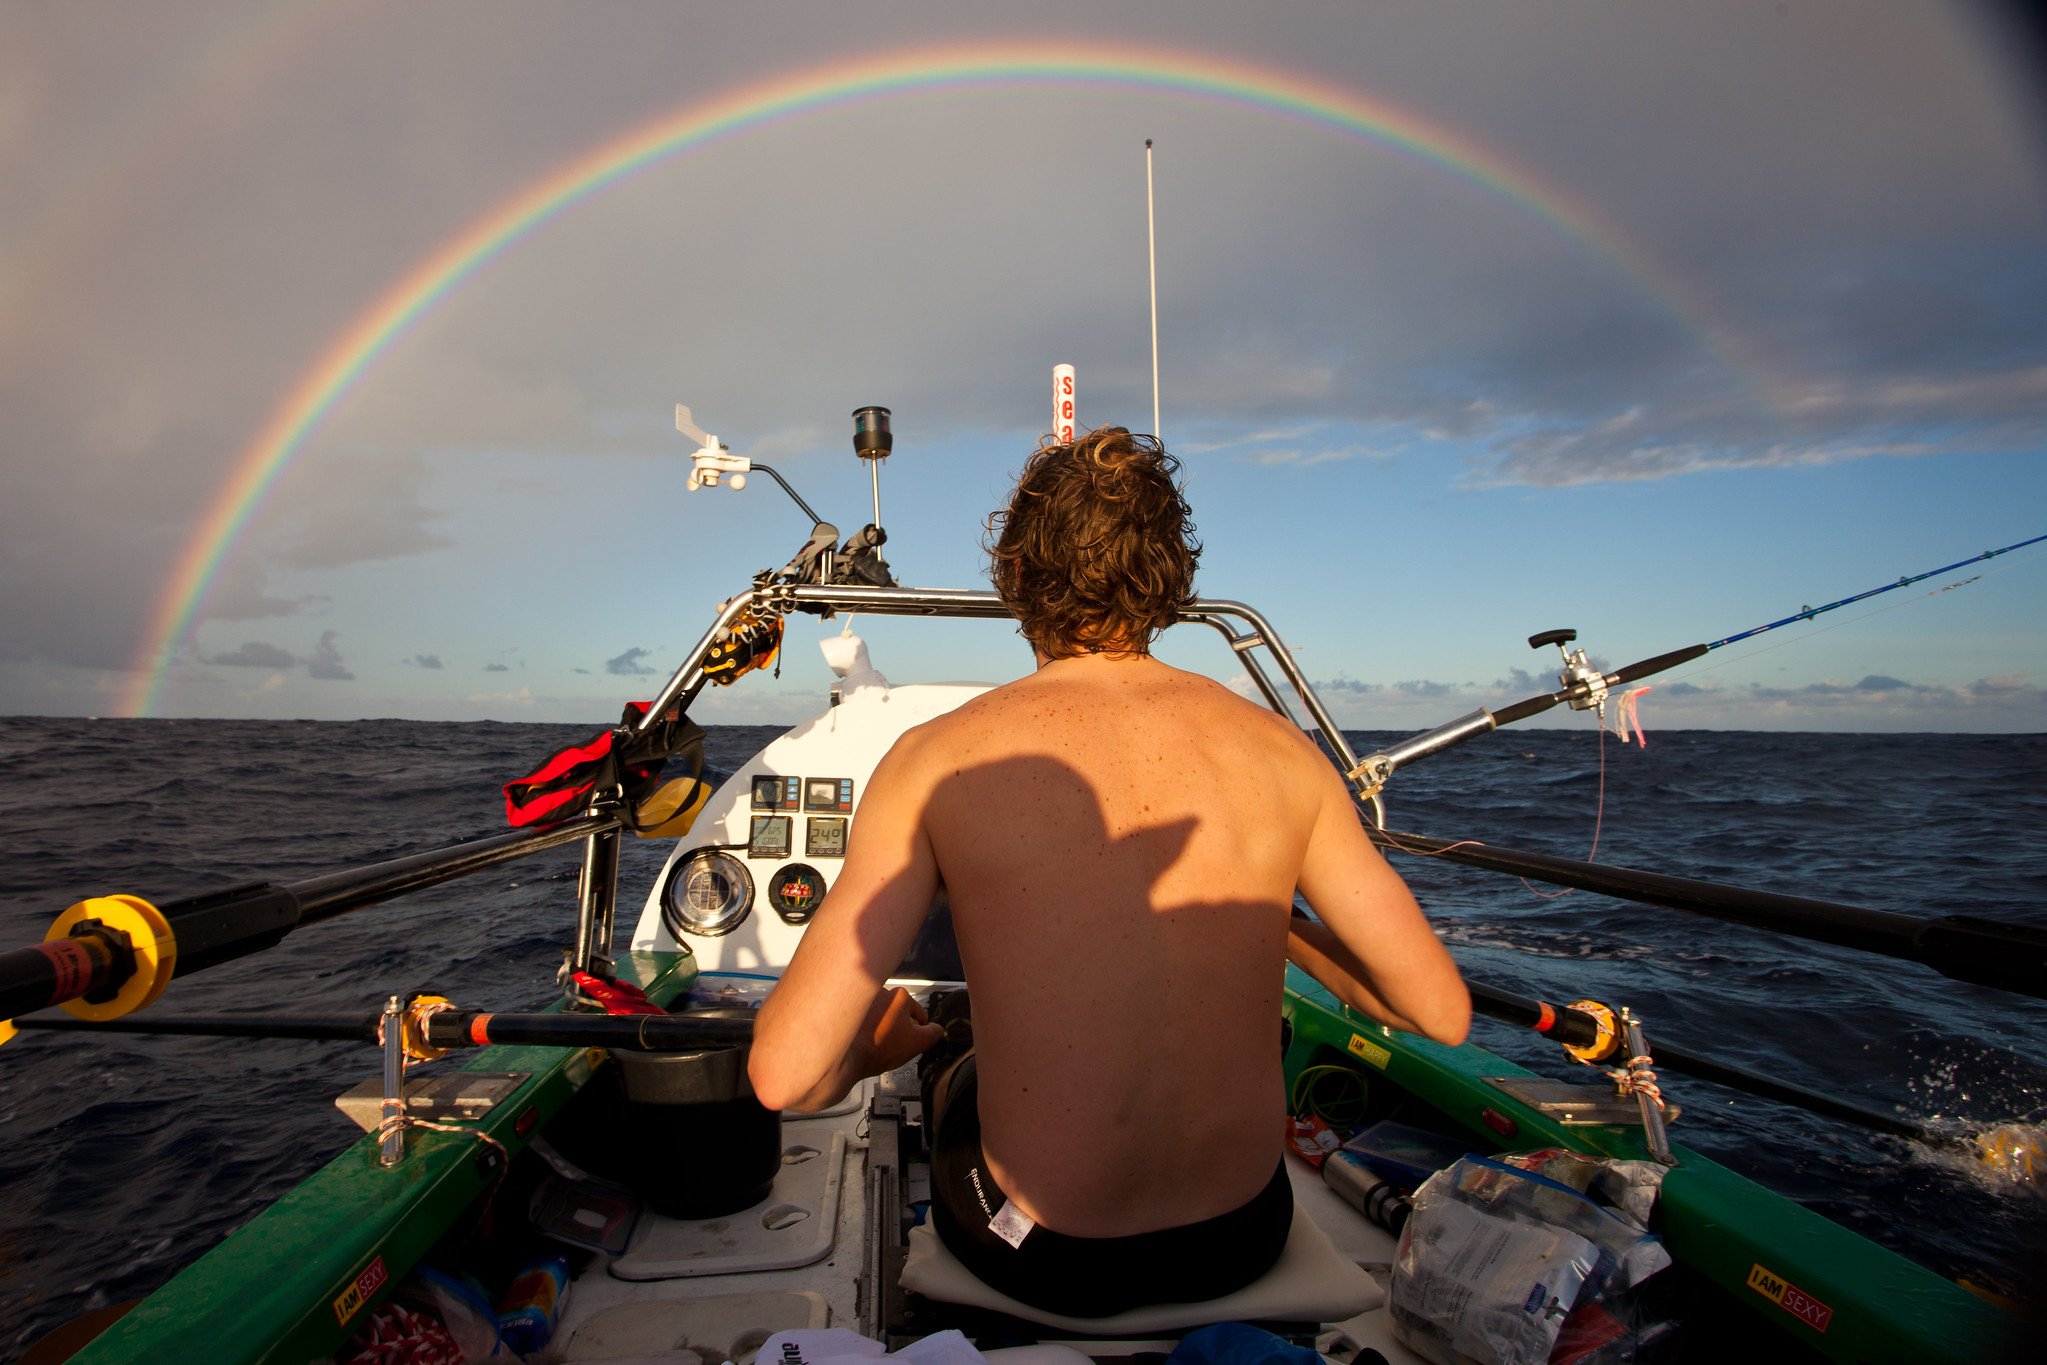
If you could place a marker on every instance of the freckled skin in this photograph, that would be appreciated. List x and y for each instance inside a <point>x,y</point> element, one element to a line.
<point>1125,1011</point>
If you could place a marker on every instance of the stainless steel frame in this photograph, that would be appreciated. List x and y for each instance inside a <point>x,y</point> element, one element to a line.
<point>1243,628</point>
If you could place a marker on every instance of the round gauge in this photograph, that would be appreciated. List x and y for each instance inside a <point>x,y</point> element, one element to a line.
<point>707,894</point>
<point>796,891</point>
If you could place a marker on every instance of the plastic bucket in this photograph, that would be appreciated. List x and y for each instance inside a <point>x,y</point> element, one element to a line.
<point>682,1129</point>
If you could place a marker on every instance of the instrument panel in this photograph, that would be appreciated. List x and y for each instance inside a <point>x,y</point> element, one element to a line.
<point>709,892</point>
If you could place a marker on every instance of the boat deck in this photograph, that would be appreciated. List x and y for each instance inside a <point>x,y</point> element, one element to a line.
<point>826,1247</point>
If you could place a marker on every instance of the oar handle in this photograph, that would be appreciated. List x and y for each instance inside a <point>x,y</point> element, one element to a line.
<point>1560,1023</point>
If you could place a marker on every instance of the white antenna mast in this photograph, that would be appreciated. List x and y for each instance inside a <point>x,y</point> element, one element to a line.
<point>1152,244</point>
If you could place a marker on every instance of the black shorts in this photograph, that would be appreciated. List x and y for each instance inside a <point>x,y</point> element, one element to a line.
<point>1087,1277</point>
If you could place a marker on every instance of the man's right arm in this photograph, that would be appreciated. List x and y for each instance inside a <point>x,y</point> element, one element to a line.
<point>1373,947</point>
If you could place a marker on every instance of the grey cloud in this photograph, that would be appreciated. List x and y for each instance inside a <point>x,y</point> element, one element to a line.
<point>424,661</point>
<point>325,661</point>
<point>1841,263</point>
<point>497,668</point>
<point>628,664</point>
<point>1344,683</point>
<point>255,654</point>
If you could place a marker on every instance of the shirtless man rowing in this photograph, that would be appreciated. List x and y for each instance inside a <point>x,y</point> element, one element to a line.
<point>1121,842</point>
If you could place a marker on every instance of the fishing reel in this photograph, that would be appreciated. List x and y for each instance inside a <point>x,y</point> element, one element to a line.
<point>1586,684</point>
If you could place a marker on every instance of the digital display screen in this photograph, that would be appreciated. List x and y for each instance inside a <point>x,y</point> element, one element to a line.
<point>777,793</point>
<point>834,794</point>
<point>825,837</point>
<point>769,838</point>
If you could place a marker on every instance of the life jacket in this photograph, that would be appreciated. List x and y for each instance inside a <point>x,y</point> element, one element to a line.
<point>624,759</point>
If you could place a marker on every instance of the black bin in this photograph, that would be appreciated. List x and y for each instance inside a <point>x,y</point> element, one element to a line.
<point>680,1129</point>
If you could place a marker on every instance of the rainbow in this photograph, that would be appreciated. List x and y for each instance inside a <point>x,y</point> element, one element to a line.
<point>893,74</point>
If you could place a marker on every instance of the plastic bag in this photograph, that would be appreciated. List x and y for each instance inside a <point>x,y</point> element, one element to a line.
<point>1495,1257</point>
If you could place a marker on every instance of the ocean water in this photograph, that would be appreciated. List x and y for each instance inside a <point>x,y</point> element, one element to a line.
<point>123,1157</point>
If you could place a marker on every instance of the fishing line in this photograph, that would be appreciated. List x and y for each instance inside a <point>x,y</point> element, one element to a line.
<point>1807,613</point>
<point>1814,634</point>
<point>1598,821</point>
<point>1816,610</point>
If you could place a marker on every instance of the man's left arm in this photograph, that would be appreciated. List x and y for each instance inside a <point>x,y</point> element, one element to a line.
<point>828,1023</point>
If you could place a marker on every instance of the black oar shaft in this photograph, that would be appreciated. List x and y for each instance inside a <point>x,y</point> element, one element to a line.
<point>1576,1028</point>
<point>220,926</point>
<point>632,1032</point>
<point>449,1029</point>
<point>337,893</point>
<point>2010,957</point>
<point>319,1028</point>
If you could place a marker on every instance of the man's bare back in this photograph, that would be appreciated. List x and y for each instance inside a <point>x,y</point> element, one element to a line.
<point>1120,842</point>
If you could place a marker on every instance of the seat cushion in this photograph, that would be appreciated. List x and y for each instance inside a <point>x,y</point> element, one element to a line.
<point>1311,1282</point>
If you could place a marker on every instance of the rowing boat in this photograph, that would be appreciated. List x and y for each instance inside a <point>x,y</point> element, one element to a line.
<point>694,1222</point>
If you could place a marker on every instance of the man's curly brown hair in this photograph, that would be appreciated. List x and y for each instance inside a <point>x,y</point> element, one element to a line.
<point>1096,551</point>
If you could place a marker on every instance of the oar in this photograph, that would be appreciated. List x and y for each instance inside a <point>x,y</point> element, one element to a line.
<point>1577,1028</point>
<point>2011,957</point>
<point>122,950</point>
<point>449,1029</point>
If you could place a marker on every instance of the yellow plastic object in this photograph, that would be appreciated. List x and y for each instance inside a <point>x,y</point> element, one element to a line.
<point>672,809</point>
<point>149,934</point>
<point>2016,1151</point>
<point>413,1025</point>
<point>1608,1040</point>
<point>752,642</point>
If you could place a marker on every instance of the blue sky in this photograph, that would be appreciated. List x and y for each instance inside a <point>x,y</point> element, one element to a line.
<point>1419,422</point>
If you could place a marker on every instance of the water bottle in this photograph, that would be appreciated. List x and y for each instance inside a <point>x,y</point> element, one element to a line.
<point>1364,1191</point>
<point>532,1306</point>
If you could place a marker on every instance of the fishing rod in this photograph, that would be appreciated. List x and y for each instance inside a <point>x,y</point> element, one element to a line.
<point>111,955</point>
<point>2010,957</point>
<point>1584,687</point>
<point>1807,613</point>
<point>447,1030</point>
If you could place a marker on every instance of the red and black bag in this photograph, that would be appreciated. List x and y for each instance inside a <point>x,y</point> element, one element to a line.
<point>624,759</point>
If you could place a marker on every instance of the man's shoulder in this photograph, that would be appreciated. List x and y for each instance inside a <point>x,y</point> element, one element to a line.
<point>1015,709</point>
